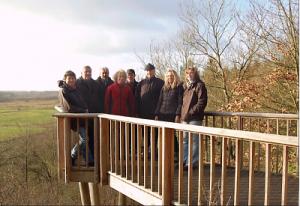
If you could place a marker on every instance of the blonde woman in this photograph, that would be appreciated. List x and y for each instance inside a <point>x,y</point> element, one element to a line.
<point>119,99</point>
<point>170,99</point>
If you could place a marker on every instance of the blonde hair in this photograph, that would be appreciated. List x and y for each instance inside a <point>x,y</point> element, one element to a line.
<point>120,72</point>
<point>176,82</point>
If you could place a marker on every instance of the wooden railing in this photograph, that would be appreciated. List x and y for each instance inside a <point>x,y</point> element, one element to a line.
<point>155,178</point>
<point>132,161</point>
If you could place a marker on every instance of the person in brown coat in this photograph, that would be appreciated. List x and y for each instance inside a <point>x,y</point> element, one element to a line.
<point>192,111</point>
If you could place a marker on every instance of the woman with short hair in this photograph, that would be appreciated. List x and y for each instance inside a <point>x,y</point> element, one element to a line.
<point>119,99</point>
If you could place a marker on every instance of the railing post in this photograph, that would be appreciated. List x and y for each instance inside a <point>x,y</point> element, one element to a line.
<point>84,193</point>
<point>60,146</point>
<point>104,152</point>
<point>167,185</point>
<point>67,149</point>
<point>94,193</point>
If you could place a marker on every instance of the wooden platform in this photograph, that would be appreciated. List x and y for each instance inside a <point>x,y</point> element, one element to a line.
<point>146,196</point>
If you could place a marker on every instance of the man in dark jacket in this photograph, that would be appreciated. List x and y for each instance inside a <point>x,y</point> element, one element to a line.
<point>192,111</point>
<point>93,94</point>
<point>147,93</point>
<point>104,78</point>
<point>131,80</point>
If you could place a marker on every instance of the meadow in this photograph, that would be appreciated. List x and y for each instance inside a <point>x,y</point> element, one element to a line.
<point>25,117</point>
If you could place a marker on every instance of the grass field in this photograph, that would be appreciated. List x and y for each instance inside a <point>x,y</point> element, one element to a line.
<point>19,118</point>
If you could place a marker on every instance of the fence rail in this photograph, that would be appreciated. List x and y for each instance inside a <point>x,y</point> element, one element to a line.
<point>137,156</point>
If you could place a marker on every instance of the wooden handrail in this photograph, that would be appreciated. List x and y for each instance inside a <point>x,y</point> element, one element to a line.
<point>250,114</point>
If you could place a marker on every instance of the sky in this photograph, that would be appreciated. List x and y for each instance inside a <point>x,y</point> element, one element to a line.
<point>41,39</point>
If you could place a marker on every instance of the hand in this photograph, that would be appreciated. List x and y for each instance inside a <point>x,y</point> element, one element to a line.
<point>156,117</point>
<point>177,119</point>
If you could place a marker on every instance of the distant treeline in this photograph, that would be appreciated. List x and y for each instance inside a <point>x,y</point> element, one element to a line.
<point>26,95</point>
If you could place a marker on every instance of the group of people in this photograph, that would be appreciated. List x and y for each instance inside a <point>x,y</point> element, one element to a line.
<point>169,100</point>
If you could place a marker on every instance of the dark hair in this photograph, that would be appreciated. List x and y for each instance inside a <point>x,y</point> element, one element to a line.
<point>149,67</point>
<point>87,67</point>
<point>130,71</point>
<point>69,73</point>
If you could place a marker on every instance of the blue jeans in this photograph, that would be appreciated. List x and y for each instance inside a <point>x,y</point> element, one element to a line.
<point>195,157</point>
<point>82,146</point>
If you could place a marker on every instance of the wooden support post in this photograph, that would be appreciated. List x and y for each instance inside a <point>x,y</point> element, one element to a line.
<point>251,173</point>
<point>212,170</point>
<point>67,149</point>
<point>121,199</point>
<point>94,193</point>
<point>96,150</point>
<point>284,189</point>
<point>238,144</point>
<point>104,151</point>
<point>201,181</point>
<point>60,146</point>
<point>167,182</point>
<point>267,174</point>
<point>224,171</point>
<point>84,193</point>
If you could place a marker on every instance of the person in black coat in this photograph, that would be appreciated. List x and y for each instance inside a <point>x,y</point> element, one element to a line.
<point>131,80</point>
<point>104,78</point>
<point>71,100</point>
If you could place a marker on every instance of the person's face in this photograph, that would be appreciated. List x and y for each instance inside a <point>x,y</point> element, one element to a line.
<point>150,73</point>
<point>121,79</point>
<point>130,77</point>
<point>170,77</point>
<point>104,73</point>
<point>86,73</point>
<point>71,81</point>
<point>190,74</point>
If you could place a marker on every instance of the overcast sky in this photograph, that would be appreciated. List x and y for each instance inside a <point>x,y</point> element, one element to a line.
<point>40,40</point>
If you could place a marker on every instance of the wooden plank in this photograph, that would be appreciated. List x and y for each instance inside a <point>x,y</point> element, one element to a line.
<point>104,151</point>
<point>117,147</point>
<point>133,153</point>
<point>87,148</point>
<point>127,149</point>
<point>201,198</point>
<point>139,159</point>
<point>251,173</point>
<point>77,142</point>
<point>190,168</point>
<point>180,168</point>
<point>60,146</point>
<point>267,174</point>
<point>152,158</point>
<point>133,191</point>
<point>84,193</point>
<point>96,150</point>
<point>167,184</point>
<point>94,193</point>
<point>112,146</point>
<point>224,171</point>
<point>146,137</point>
<point>67,149</point>
<point>160,161</point>
<point>122,149</point>
<point>237,172</point>
<point>284,188</point>
<point>212,170</point>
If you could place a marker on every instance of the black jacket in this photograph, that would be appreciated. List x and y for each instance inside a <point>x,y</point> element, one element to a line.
<point>170,101</point>
<point>147,94</point>
<point>105,82</point>
<point>92,93</point>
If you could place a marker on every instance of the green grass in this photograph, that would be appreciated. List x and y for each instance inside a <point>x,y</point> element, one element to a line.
<point>20,118</point>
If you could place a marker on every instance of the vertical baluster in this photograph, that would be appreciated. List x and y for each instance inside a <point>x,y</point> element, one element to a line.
<point>201,184</point>
<point>284,176</point>
<point>190,168</point>
<point>112,145</point>
<point>237,171</point>
<point>160,161</point>
<point>212,169</point>
<point>287,127</point>
<point>87,150</point>
<point>96,149</point>
<point>224,171</point>
<point>133,152</point>
<point>117,147</point>
<point>259,149</point>
<point>127,146</point>
<point>251,173</point>
<point>78,144</point>
<point>139,151</point>
<point>122,149</point>
<point>180,168</point>
<point>104,151</point>
<point>267,174</point>
<point>146,149</point>
<point>152,158</point>
<point>277,148</point>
